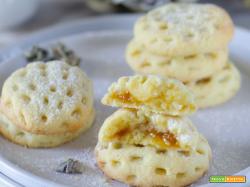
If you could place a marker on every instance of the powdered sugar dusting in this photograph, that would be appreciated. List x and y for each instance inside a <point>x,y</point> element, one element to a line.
<point>226,127</point>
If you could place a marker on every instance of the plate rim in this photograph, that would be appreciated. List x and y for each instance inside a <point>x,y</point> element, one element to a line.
<point>52,33</point>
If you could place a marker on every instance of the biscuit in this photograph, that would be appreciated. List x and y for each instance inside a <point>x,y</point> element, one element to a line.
<point>151,93</point>
<point>184,29</point>
<point>218,88</point>
<point>24,138</point>
<point>185,68</point>
<point>48,98</point>
<point>147,166</point>
<point>129,126</point>
<point>143,163</point>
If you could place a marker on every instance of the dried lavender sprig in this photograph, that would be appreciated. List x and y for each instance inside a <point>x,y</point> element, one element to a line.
<point>70,166</point>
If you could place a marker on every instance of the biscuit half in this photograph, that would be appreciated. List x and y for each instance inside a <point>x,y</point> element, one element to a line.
<point>217,89</point>
<point>27,139</point>
<point>137,157</point>
<point>129,126</point>
<point>151,93</point>
<point>184,29</point>
<point>185,68</point>
<point>147,166</point>
<point>48,98</point>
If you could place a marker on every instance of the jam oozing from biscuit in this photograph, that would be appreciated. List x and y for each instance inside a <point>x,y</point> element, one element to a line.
<point>124,97</point>
<point>163,138</point>
<point>121,133</point>
<point>140,134</point>
<point>204,81</point>
<point>171,100</point>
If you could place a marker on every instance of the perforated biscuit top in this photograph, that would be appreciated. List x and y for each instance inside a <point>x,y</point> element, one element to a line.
<point>47,98</point>
<point>132,127</point>
<point>177,29</point>
<point>151,93</point>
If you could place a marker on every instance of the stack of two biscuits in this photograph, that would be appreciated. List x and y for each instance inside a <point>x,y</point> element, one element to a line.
<point>45,105</point>
<point>149,141</point>
<point>188,42</point>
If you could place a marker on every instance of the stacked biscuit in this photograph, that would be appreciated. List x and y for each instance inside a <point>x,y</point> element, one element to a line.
<point>46,104</point>
<point>149,141</point>
<point>188,42</point>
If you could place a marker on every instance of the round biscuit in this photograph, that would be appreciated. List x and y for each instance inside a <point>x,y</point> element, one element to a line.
<point>184,29</point>
<point>218,88</point>
<point>48,98</point>
<point>185,68</point>
<point>24,138</point>
<point>147,166</point>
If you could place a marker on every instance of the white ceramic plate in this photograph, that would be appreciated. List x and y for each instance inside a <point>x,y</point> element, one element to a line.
<point>226,127</point>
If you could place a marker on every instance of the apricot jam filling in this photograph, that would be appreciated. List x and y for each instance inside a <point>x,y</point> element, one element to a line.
<point>149,136</point>
<point>163,138</point>
<point>125,97</point>
<point>169,99</point>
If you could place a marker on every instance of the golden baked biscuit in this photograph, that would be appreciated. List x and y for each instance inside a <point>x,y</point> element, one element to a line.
<point>218,88</point>
<point>130,126</point>
<point>147,166</point>
<point>151,93</point>
<point>151,150</point>
<point>184,29</point>
<point>48,98</point>
<point>27,139</point>
<point>185,68</point>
